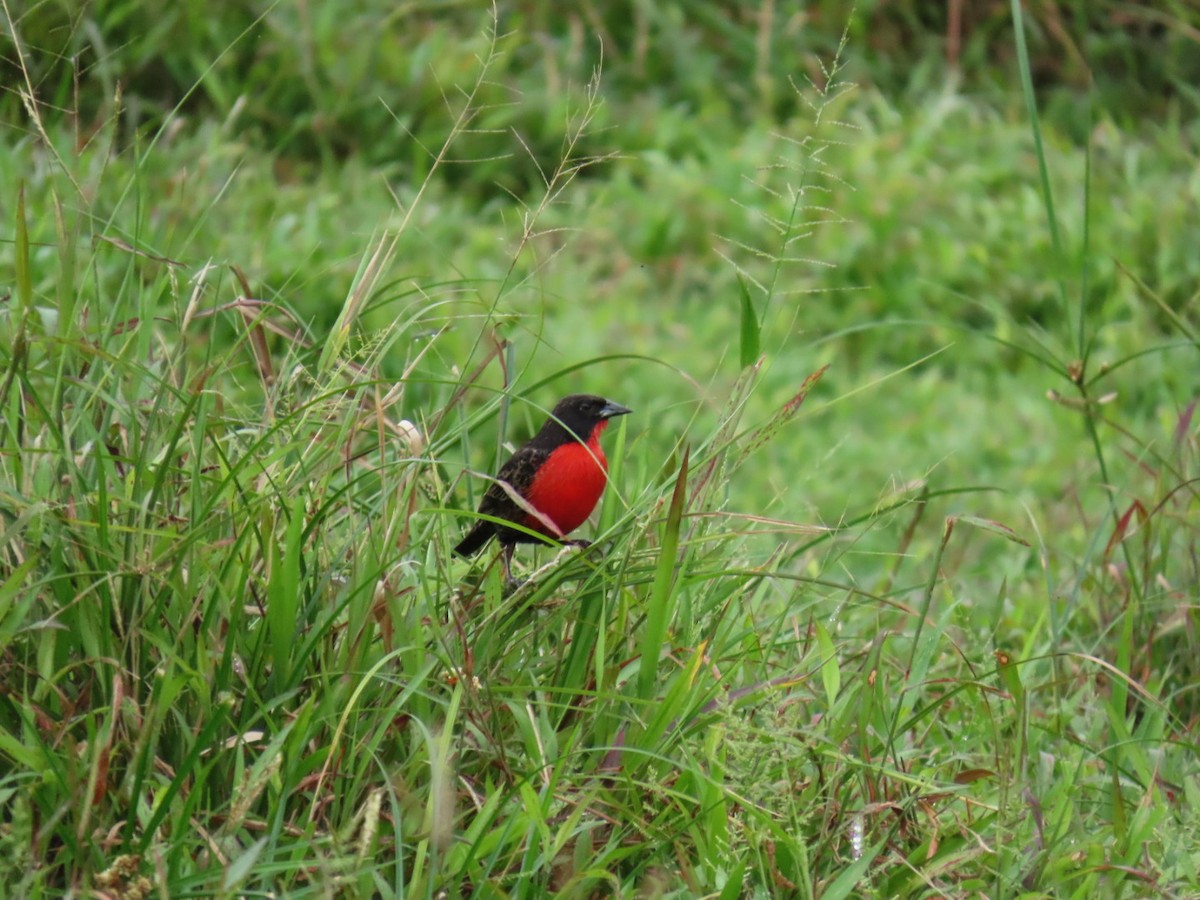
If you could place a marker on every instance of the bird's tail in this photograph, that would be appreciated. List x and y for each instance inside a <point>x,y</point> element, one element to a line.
<point>475,539</point>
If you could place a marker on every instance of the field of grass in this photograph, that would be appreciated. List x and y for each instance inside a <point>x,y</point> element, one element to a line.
<point>895,586</point>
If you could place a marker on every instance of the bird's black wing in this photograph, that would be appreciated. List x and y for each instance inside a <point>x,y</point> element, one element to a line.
<point>518,473</point>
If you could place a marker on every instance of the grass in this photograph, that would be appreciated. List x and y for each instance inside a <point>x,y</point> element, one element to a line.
<point>894,589</point>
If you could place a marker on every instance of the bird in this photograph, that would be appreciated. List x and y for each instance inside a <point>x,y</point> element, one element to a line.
<point>558,475</point>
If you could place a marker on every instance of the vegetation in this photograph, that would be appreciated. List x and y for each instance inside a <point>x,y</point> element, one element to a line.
<point>894,592</point>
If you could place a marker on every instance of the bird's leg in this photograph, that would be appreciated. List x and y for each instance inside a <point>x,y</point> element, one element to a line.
<point>506,552</point>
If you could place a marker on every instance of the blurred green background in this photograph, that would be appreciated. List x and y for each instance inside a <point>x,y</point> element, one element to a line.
<point>283,138</point>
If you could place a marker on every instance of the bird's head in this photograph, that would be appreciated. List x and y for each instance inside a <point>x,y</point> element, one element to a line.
<point>585,415</point>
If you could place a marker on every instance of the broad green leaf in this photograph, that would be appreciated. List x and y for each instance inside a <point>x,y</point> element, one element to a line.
<point>750,327</point>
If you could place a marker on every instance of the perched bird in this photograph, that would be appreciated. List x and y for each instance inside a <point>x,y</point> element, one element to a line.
<point>560,474</point>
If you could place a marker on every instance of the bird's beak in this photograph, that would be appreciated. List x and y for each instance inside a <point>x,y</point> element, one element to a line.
<point>611,409</point>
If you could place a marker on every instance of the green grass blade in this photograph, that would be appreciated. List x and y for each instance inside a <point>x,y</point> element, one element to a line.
<point>658,613</point>
<point>1025,70</point>
<point>831,675</point>
<point>24,273</point>
<point>283,594</point>
<point>750,328</point>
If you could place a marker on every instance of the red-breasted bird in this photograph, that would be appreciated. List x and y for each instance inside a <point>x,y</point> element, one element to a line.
<point>560,473</point>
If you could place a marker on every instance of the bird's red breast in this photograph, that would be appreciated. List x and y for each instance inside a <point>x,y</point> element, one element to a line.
<point>568,485</point>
